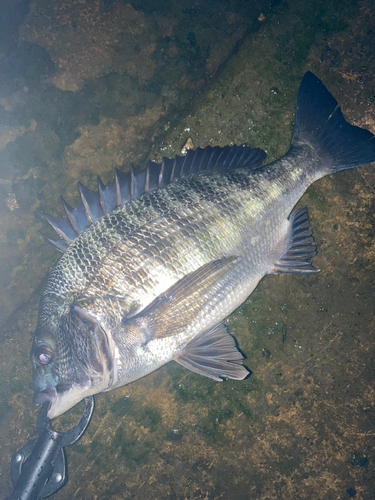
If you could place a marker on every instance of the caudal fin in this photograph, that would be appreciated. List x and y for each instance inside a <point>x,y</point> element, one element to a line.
<point>320,122</point>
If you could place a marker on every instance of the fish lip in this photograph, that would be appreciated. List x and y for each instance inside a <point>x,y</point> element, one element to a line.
<point>67,399</point>
<point>42,397</point>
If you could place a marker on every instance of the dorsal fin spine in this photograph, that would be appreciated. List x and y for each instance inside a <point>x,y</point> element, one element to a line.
<point>118,189</point>
<point>183,164</point>
<point>147,179</point>
<point>60,245</point>
<point>218,158</point>
<point>101,188</point>
<point>202,158</point>
<point>172,172</point>
<point>85,203</point>
<point>69,212</point>
<point>55,222</point>
<point>161,173</point>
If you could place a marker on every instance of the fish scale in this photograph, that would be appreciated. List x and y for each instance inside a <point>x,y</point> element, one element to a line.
<point>128,253</point>
<point>153,263</point>
<point>196,247</point>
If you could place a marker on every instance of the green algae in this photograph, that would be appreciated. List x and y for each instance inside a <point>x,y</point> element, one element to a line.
<point>150,418</point>
<point>121,406</point>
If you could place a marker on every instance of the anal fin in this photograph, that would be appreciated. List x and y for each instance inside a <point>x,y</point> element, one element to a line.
<point>213,354</point>
<point>301,247</point>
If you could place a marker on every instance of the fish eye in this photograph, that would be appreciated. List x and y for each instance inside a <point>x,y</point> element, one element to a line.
<point>43,354</point>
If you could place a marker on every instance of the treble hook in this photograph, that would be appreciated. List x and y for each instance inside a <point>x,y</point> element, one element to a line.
<point>39,468</point>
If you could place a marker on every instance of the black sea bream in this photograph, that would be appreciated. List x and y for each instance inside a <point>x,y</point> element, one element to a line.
<point>153,263</point>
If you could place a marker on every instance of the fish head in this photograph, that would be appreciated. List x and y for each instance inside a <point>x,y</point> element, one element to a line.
<point>71,357</point>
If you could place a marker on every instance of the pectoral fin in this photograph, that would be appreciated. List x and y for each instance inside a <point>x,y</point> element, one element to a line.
<point>213,354</point>
<point>173,310</point>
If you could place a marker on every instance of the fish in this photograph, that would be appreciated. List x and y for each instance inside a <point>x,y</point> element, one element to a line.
<point>153,263</point>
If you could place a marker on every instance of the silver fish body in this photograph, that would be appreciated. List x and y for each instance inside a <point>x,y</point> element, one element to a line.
<point>150,280</point>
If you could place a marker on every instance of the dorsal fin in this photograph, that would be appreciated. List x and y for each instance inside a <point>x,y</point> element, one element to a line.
<point>133,184</point>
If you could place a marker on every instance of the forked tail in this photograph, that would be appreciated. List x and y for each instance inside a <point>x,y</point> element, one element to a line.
<point>320,123</point>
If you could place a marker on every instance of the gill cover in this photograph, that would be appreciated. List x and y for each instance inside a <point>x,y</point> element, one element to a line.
<point>71,360</point>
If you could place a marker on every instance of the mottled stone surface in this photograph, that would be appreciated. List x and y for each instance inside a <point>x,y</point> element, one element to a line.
<point>110,82</point>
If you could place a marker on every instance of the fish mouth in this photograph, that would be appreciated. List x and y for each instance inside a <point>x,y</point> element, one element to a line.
<point>47,395</point>
<point>62,401</point>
